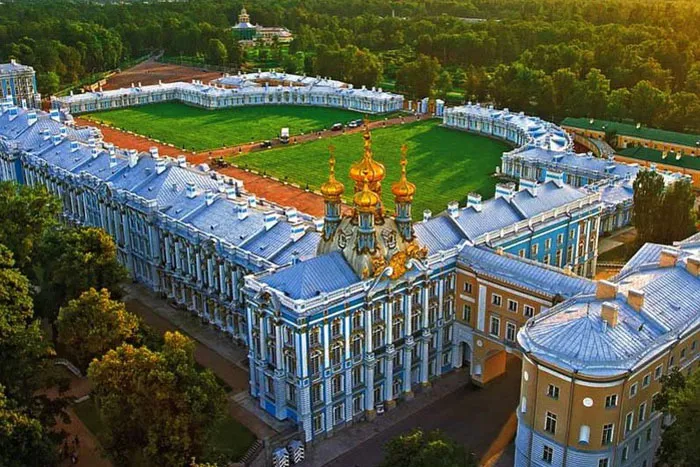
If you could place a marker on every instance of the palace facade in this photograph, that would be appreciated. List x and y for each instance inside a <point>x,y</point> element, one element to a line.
<point>18,82</point>
<point>249,34</point>
<point>249,89</point>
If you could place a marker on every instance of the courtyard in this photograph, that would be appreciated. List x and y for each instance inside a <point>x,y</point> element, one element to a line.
<point>196,129</point>
<point>444,164</point>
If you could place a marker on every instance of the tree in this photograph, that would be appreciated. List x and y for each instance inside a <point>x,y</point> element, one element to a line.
<point>92,324</point>
<point>48,83</point>
<point>418,77</point>
<point>72,261</point>
<point>646,102</point>
<point>27,213</point>
<point>26,416</point>
<point>24,440</point>
<point>444,83</point>
<point>216,52</point>
<point>680,398</point>
<point>156,406</point>
<point>678,204</point>
<point>648,200</point>
<point>418,449</point>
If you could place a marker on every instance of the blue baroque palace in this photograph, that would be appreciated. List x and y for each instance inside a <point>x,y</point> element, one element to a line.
<point>343,316</point>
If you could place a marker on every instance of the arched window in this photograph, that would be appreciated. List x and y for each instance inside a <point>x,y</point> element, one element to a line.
<point>523,405</point>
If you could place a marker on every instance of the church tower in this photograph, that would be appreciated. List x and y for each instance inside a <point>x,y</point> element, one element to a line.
<point>403,191</point>
<point>373,170</point>
<point>332,191</point>
<point>366,202</point>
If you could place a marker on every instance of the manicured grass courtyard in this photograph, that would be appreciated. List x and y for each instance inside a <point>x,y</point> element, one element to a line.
<point>444,164</point>
<point>199,129</point>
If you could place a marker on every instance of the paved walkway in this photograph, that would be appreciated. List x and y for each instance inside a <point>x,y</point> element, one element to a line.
<point>481,419</point>
<point>213,350</point>
<point>622,236</point>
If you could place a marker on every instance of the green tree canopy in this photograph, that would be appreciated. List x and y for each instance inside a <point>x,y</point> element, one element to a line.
<point>648,200</point>
<point>74,260</point>
<point>157,406</point>
<point>417,78</point>
<point>27,213</point>
<point>216,52</point>
<point>680,398</point>
<point>420,449</point>
<point>92,324</point>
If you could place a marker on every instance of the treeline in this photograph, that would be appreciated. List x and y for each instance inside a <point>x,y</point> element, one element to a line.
<point>636,60</point>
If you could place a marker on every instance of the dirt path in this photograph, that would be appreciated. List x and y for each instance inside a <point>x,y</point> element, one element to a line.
<point>150,72</point>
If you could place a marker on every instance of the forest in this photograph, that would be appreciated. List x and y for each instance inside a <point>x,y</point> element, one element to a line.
<point>630,60</point>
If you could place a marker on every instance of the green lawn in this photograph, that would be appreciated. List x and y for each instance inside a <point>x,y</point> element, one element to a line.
<point>230,439</point>
<point>444,164</point>
<point>198,129</point>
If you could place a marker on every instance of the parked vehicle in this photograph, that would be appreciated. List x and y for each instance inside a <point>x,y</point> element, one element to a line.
<point>353,124</point>
<point>284,135</point>
<point>337,127</point>
<point>266,144</point>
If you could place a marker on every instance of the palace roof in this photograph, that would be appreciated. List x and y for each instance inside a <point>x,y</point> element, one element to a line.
<point>524,273</point>
<point>311,278</point>
<point>626,129</point>
<point>654,155</point>
<point>14,67</point>
<point>574,336</point>
<point>570,161</point>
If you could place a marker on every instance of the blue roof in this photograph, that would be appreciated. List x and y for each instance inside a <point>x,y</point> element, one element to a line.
<point>549,196</point>
<point>524,273</point>
<point>311,278</point>
<point>438,233</point>
<point>573,335</point>
<point>570,160</point>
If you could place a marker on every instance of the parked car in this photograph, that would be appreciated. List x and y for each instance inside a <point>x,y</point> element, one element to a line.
<point>353,124</point>
<point>337,127</point>
<point>266,144</point>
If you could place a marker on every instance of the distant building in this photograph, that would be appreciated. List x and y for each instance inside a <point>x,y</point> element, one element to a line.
<point>250,34</point>
<point>19,82</point>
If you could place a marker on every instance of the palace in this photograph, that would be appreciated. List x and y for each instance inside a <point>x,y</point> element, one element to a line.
<point>239,90</point>
<point>347,316</point>
<point>19,83</point>
<point>249,34</point>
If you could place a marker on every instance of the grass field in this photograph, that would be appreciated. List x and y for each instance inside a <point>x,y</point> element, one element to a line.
<point>444,164</point>
<point>230,439</point>
<point>198,129</point>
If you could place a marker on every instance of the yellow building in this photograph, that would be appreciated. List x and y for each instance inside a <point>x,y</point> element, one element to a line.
<point>592,364</point>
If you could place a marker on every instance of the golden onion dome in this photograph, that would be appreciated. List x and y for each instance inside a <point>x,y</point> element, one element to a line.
<point>366,200</point>
<point>373,170</point>
<point>332,189</point>
<point>403,190</point>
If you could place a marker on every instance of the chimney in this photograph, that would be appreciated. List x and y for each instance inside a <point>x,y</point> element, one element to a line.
<point>56,139</point>
<point>295,257</point>
<point>318,224</point>
<point>668,258</point>
<point>610,313</point>
<point>160,166</point>
<point>298,230</point>
<point>112,161</point>
<point>505,190</point>
<point>242,210</point>
<point>635,299</point>
<point>55,115</point>
<point>31,118</point>
<point>605,290</point>
<point>181,161</point>
<point>94,152</point>
<point>154,152</point>
<point>191,190</point>
<point>251,200</point>
<point>692,265</point>
<point>427,214</point>
<point>529,185</point>
<point>209,197</point>
<point>292,215</point>
<point>74,146</point>
<point>221,186</point>
<point>453,209</point>
<point>554,176</point>
<point>474,201</point>
<point>63,131</point>
<point>231,192</point>
<point>134,158</point>
<point>269,219</point>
